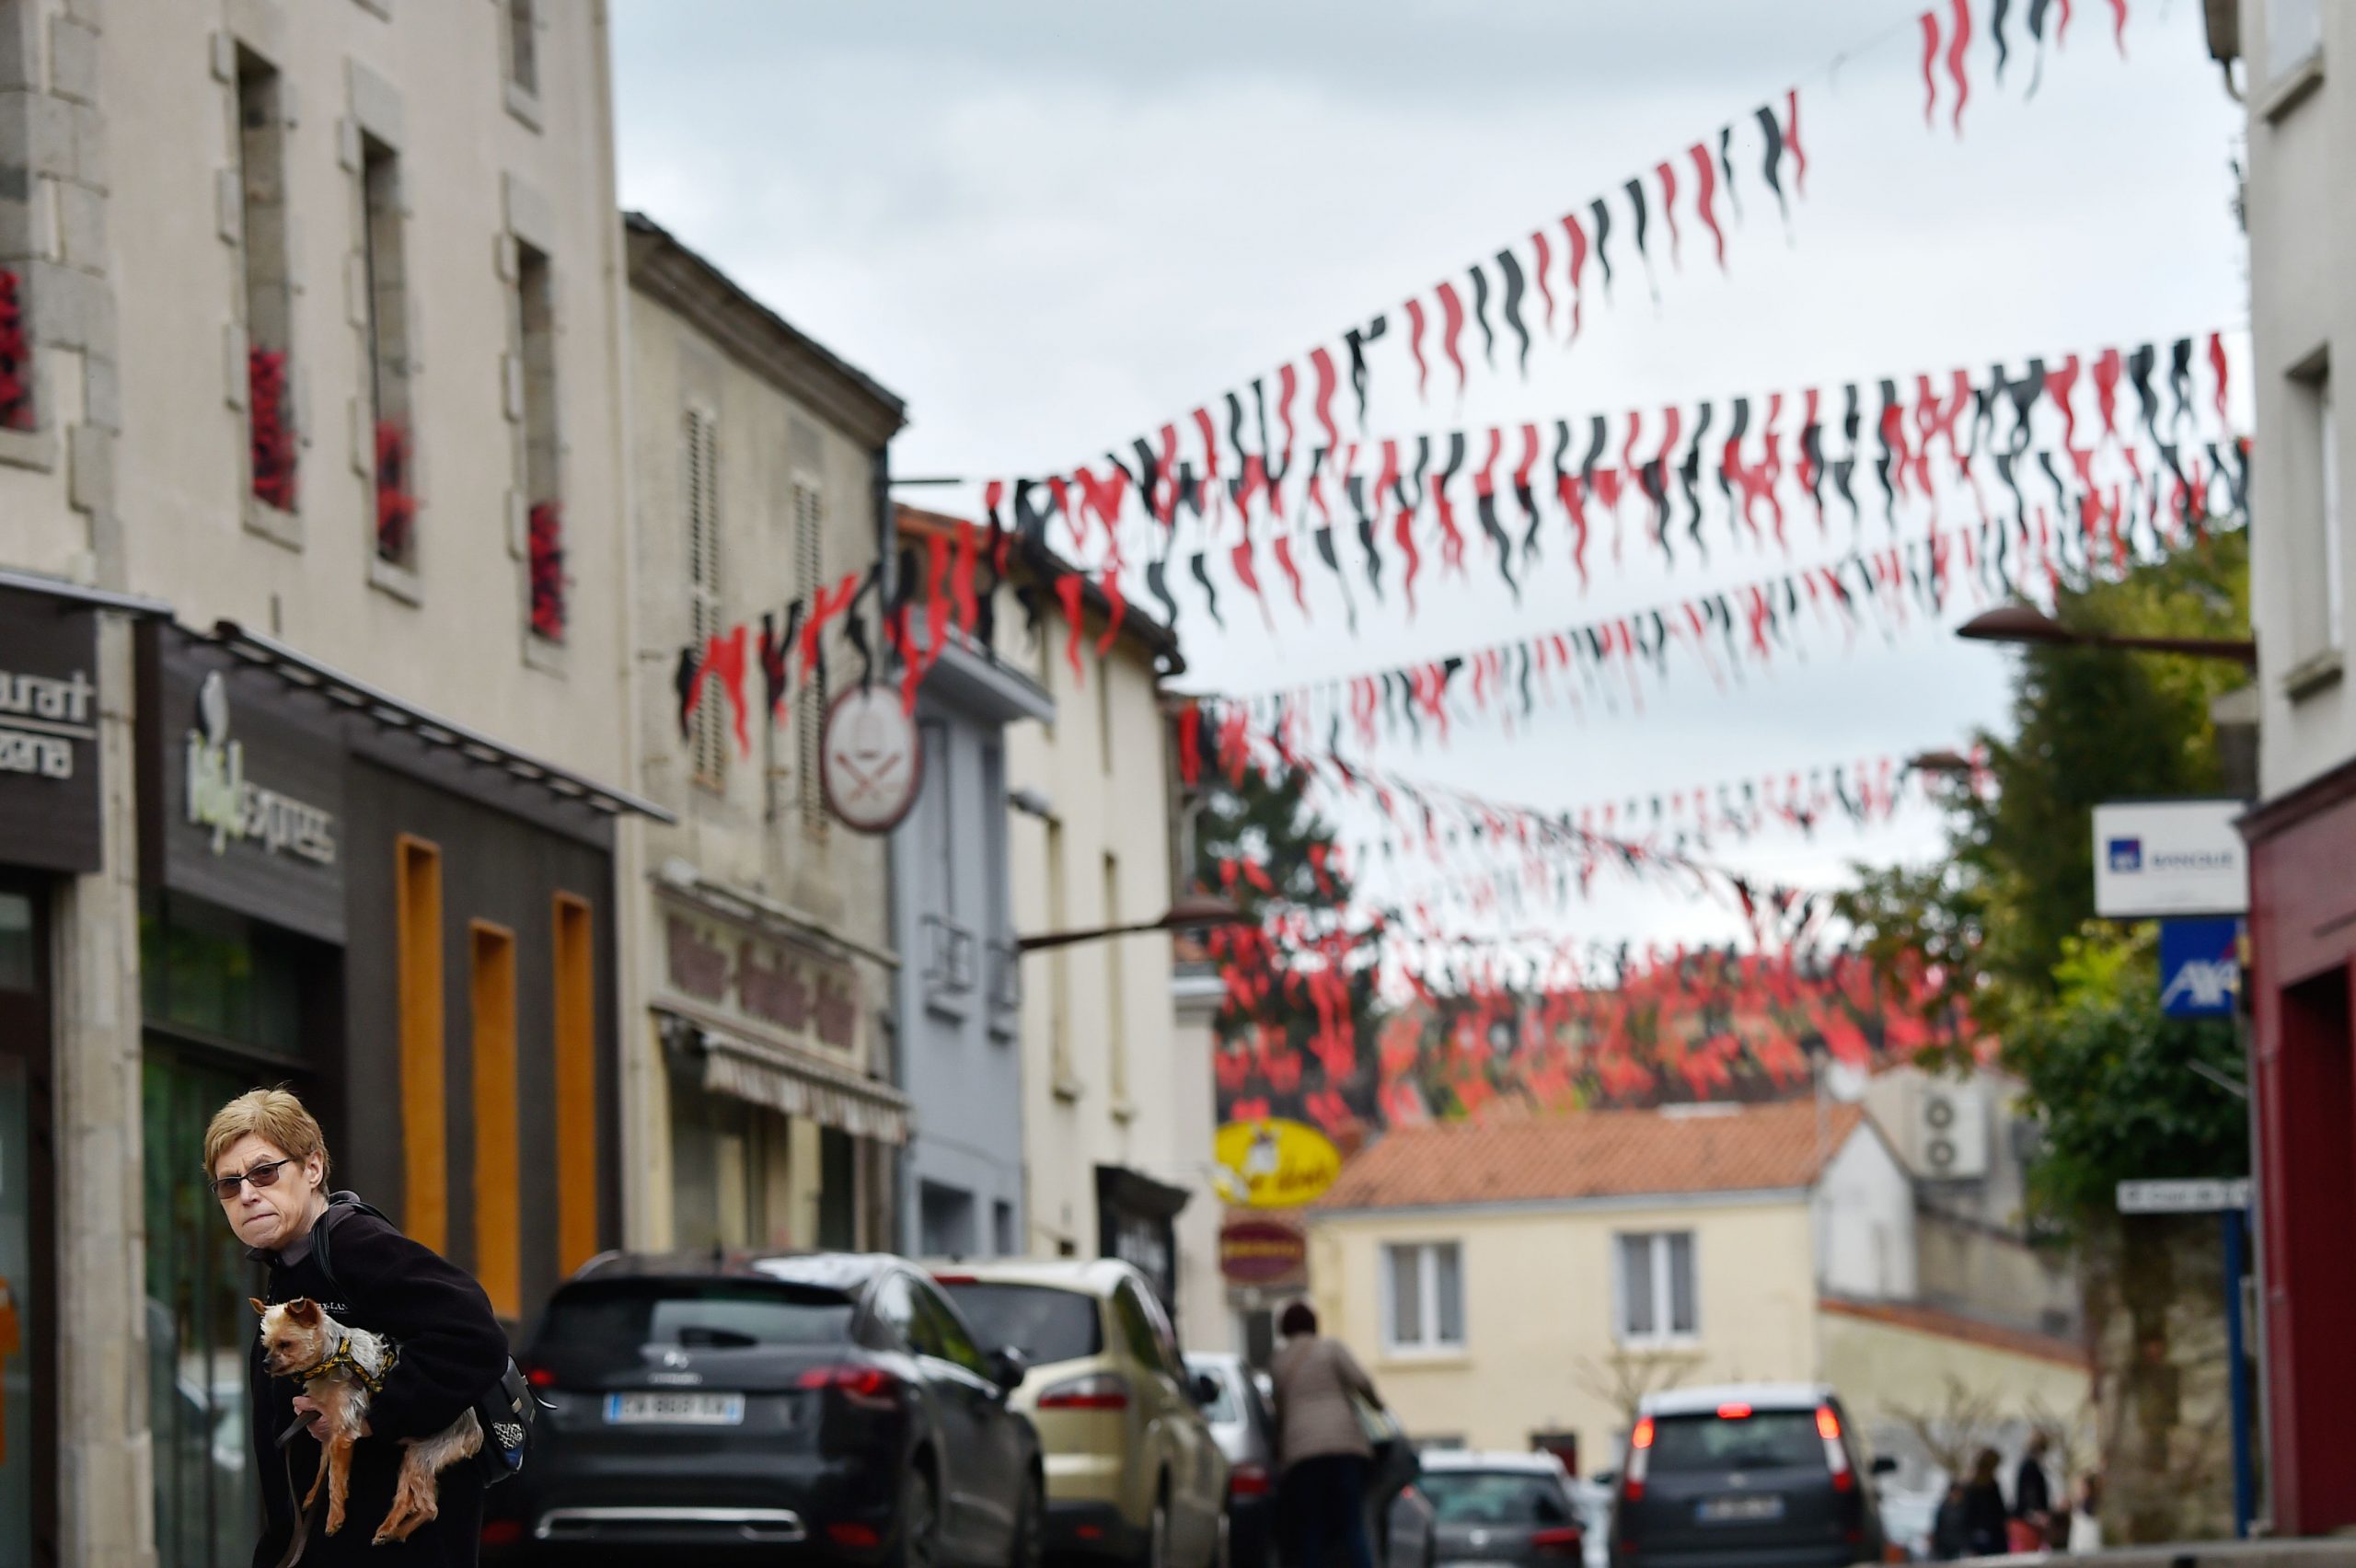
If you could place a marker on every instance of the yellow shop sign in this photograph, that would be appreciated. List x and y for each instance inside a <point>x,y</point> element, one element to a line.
<point>1275,1163</point>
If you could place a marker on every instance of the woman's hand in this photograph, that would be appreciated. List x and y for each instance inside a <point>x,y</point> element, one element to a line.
<point>305,1405</point>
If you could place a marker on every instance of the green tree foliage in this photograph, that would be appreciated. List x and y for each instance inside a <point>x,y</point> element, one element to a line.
<point>2006,918</point>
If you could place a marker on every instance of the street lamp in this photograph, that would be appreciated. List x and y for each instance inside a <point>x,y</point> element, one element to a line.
<point>2022,624</point>
<point>1192,909</point>
<point>1951,762</point>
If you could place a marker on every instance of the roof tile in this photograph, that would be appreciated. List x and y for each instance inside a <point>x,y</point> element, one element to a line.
<point>1592,1153</point>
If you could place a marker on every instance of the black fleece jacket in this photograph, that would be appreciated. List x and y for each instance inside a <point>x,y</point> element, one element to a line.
<point>451,1350</point>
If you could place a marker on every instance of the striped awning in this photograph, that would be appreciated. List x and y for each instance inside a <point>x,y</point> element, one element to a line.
<point>801,1085</point>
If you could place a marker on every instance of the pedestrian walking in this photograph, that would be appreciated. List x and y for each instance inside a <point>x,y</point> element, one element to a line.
<point>2085,1515</point>
<point>1321,1446</point>
<point>1986,1521</point>
<point>2032,1498</point>
<point>268,1164</point>
<point>1947,1542</point>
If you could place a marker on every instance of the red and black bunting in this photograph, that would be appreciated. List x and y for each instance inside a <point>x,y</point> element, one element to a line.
<point>270,425</point>
<point>15,357</point>
<point>1742,473</point>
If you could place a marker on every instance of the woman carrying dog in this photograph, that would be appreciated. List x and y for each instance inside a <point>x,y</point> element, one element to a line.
<point>268,1163</point>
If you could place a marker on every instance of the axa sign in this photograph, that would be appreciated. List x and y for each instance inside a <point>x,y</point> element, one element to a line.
<point>2201,971</point>
<point>2161,858</point>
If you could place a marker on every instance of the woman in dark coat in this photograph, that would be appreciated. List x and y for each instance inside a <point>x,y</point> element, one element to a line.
<point>268,1162</point>
<point>1985,1517</point>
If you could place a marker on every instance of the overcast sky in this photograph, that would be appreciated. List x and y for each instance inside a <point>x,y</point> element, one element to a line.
<point>1052,224</point>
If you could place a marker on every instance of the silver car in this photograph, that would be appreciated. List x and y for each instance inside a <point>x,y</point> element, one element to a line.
<point>1505,1510</point>
<point>1244,1424</point>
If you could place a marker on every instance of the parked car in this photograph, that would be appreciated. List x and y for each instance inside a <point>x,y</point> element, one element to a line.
<point>1133,1471</point>
<point>1242,1420</point>
<point>819,1400</point>
<point>1499,1509</point>
<point>1743,1474</point>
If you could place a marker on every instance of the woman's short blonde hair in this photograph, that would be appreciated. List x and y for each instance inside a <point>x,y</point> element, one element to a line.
<point>273,1115</point>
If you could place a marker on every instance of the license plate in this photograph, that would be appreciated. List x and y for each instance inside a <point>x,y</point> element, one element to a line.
<point>674,1410</point>
<point>1740,1510</point>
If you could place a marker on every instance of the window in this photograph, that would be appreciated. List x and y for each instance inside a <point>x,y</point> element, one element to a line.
<point>1104,716</point>
<point>1423,1296</point>
<point>707,738</point>
<point>262,223</point>
<point>1059,967</point>
<point>576,1084</point>
<point>499,1220</point>
<point>387,304</point>
<point>2318,607</point>
<point>1136,1325</point>
<point>522,48</point>
<point>1656,1287</point>
<point>2293,35</point>
<point>945,1220</point>
<point>946,1331</point>
<point>810,724</point>
<point>533,331</point>
<point>1002,1238</point>
<point>1117,999</point>
<point>425,1187</point>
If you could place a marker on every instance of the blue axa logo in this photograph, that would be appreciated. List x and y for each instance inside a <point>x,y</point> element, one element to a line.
<point>2126,854</point>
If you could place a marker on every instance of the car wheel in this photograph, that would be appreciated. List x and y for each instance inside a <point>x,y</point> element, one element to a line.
<point>919,1543</point>
<point>1029,1542</point>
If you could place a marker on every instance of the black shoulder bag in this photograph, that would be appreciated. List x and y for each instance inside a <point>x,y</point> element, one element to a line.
<point>505,1410</point>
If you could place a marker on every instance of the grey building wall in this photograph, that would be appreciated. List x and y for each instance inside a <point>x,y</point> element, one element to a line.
<point>960,1017</point>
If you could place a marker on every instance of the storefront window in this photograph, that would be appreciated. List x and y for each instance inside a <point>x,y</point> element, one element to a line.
<point>16,1304</point>
<point>18,971</point>
<point>223,976</point>
<point>199,1328</point>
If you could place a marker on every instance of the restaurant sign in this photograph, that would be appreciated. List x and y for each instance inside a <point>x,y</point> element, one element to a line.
<point>48,735</point>
<point>778,988</point>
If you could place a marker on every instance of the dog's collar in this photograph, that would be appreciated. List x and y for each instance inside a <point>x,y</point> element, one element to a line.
<point>344,1361</point>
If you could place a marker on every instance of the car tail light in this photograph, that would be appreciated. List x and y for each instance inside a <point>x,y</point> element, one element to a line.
<point>539,1376</point>
<point>955,1279</point>
<point>1248,1481</point>
<point>1565,1542</point>
<point>857,1537</point>
<point>1734,1412</point>
<point>869,1386</point>
<point>1640,1457</point>
<point>501,1533</point>
<point>1103,1391</point>
<point>1836,1453</point>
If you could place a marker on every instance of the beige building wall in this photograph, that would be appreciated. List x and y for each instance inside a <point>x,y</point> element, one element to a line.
<point>1105,1082</point>
<point>1891,1372</point>
<point>1540,1352</point>
<point>786,430</point>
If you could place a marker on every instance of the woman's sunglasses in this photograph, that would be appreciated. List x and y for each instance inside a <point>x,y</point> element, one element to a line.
<point>263,1175</point>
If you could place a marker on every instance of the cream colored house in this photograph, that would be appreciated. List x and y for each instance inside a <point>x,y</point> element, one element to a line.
<point>1117,1112</point>
<point>1517,1282</point>
<point>762,1098</point>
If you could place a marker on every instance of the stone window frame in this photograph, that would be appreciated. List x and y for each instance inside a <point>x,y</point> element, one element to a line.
<point>52,135</point>
<point>527,103</point>
<point>529,220</point>
<point>258,27</point>
<point>375,113</point>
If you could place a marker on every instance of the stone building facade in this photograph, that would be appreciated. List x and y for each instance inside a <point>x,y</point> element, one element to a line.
<point>761,1070</point>
<point>310,348</point>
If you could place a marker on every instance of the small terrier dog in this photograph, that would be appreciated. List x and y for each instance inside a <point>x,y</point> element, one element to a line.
<point>340,1368</point>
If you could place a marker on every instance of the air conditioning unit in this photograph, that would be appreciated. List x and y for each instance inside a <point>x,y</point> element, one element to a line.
<point>1951,1131</point>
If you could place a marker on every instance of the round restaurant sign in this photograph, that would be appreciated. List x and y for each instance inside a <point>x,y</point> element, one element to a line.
<point>870,759</point>
<point>1260,1252</point>
<point>1275,1163</point>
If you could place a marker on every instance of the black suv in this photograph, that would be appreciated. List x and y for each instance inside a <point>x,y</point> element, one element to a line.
<point>1748,1476</point>
<point>827,1402</point>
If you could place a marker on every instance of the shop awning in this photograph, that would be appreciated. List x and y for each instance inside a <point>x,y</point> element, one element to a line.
<point>800,1086</point>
